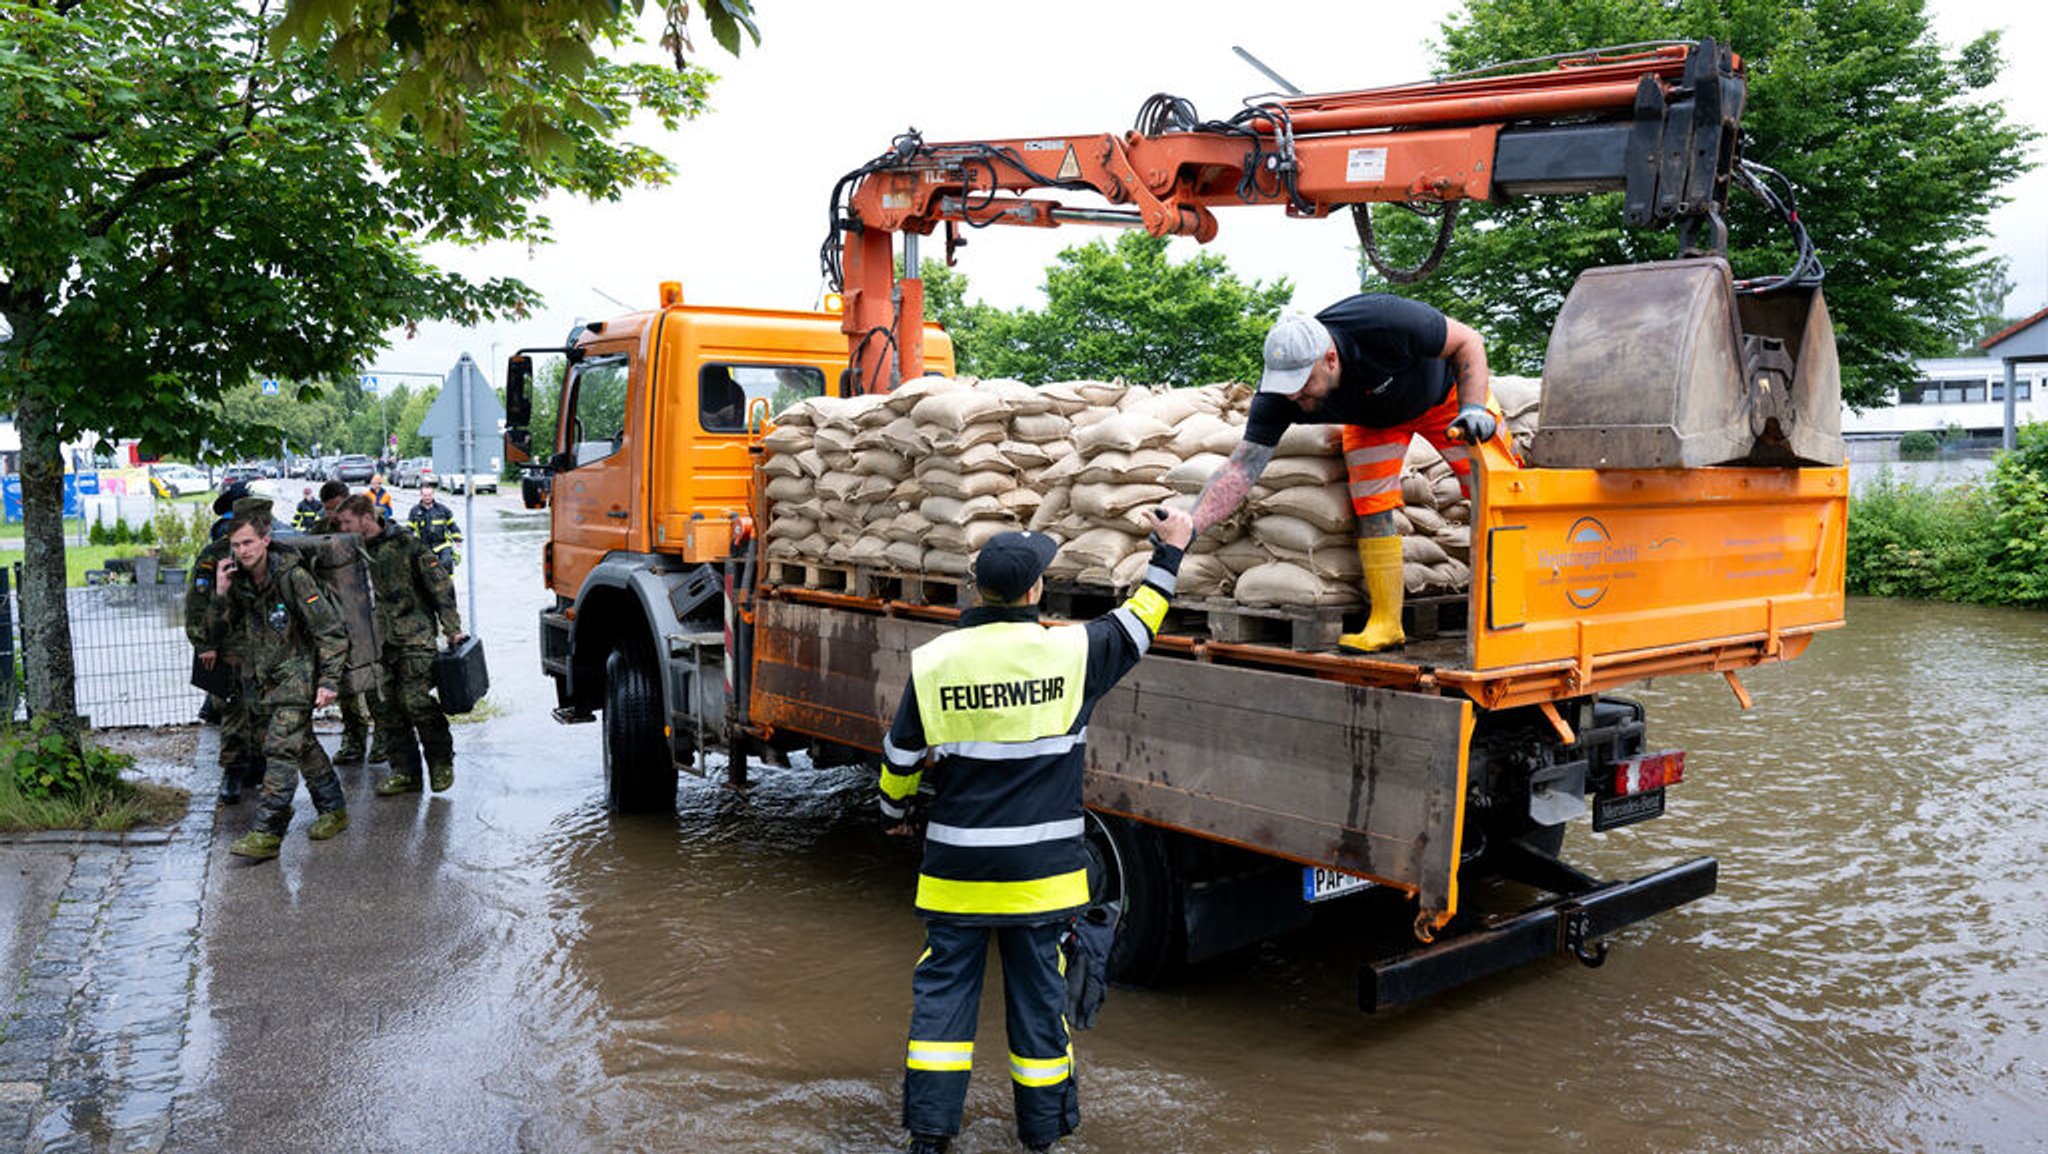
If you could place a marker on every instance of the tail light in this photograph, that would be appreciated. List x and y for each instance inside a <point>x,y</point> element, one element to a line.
<point>547,564</point>
<point>1650,771</point>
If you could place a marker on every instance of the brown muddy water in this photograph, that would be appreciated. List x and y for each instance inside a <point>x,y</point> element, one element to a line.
<point>1871,976</point>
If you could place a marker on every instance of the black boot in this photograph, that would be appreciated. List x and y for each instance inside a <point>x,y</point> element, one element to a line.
<point>230,785</point>
<point>253,771</point>
<point>928,1144</point>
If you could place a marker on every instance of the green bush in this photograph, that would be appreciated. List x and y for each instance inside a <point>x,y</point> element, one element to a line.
<point>98,535</point>
<point>1986,543</point>
<point>1919,443</point>
<point>179,531</point>
<point>122,535</point>
<point>43,769</point>
<point>146,533</point>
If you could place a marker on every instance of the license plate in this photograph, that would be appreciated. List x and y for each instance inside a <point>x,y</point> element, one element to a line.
<point>1318,884</point>
<point>1614,812</point>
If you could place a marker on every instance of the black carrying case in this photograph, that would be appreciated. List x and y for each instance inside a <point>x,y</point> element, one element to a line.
<point>460,678</point>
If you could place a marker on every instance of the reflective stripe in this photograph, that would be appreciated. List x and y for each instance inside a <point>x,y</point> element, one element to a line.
<point>1139,635</point>
<point>897,786</point>
<point>1391,451</point>
<point>1000,835</point>
<point>940,1055</point>
<point>1041,1071</point>
<point>890,809</point>
<point>1030,896</point>
<point>896,755</point>
<point>1015,750</point>
<point>1150,606</point>
<point>1154,575</point>
<point>1375,487</point>
<point>1455,453</point>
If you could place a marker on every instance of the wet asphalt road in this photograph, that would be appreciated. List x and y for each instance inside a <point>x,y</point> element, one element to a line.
<point>507,968</point>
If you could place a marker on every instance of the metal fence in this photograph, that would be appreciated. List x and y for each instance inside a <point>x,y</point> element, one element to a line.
<point>128,650</point>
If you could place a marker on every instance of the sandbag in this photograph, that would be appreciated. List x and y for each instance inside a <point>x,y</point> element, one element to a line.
<point>1017,397</point>
<point>955,410</point>
<point>1416,491</point>
<point>902,435</point>
<point>789,489</point>
<point>1284,533</point>
<point>787,439</point>
<point>954,510</point>
<point>1448,491</point>
<point>867,551</point>
<point>872,490</point>
<point>905,397</point>
<point>904,555</point>
<point>1331,559</point>
<point>948,442</point>
<point>1115,467</point>
<point>950,563</point>
<point>987,457</point>
<point>1279,583</point>
<point>1422,551</point>
<point>1109,501</point>
<point>1024,456</point>
<point>1169,408</point>
<point>1040,428</point>
<point>1022,502</point>
<point>1326,507</point>
<point>1191,435</point>
<point>1192,475</point>
<point>1125,431</point>
<point>1064,397</point>
<point>964,538</point>
<point>782,465</point>
<point>811,462</point>
<point>1051,508</point>
<point>945,483</point>
<point>1064,470</point>
<point>791,528</point>
<point>909,525</point>
<point>882,463</point>
<point>1311,441</point>
<point>1425,520</point>
<point>1289,472</point>
<point>1204,576</point>
<point>1101,548</point>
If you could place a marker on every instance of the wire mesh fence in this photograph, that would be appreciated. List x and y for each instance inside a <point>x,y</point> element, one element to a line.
<point>129,653</point>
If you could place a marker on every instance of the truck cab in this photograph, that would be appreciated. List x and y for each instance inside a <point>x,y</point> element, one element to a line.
<point>650,481</point>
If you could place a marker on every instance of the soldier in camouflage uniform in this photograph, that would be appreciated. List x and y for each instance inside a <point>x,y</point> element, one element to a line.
<point>240,743</point>
<point>295,649</point>
<point>358,710</point>
<point>414,595</point>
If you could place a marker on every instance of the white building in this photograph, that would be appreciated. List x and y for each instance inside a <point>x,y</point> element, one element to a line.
<point>1967,392</point>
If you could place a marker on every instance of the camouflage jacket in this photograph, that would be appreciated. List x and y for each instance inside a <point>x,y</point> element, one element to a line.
<point>414,593</point>
<point>293,641</point>
<point>199,597</point>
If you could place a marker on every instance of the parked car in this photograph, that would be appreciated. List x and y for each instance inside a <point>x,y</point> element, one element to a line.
<point>243,473</point>
<point>407,474</point>
<point>458,483</point>
<point>355,468</point>
<point>181,480</point>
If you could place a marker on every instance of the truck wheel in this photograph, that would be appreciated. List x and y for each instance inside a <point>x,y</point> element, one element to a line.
<point>1128,864</point>
<point>639,771</point>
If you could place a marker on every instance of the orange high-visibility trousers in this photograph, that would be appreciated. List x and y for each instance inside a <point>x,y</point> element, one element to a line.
<point>1373,457</point>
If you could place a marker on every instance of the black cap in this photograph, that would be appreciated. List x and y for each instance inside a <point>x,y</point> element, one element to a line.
<point>228,496</point>
<point>1011,562</point>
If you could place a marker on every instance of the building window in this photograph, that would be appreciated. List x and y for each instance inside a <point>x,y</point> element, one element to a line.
<point>2025,391</point>
<point>1919,393</point>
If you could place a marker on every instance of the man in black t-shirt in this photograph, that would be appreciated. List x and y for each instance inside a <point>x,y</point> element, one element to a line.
<point>1386,369</point>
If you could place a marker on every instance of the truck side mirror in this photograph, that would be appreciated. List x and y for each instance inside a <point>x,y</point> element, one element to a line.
<point>518,409</point>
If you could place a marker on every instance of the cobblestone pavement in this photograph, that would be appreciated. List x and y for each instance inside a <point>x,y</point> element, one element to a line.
<point>89,1053</point>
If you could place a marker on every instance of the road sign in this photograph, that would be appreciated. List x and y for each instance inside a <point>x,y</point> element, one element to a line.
<point>270,386</point>
<point>369,383</point>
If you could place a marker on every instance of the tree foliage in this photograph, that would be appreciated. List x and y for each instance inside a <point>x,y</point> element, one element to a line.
<point>1112,310</point>
<point>428,57</point>
<point>185,208</point>
<point>1895,161</point>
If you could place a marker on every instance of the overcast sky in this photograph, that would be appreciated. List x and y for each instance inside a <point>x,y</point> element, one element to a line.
<point>832,82</point>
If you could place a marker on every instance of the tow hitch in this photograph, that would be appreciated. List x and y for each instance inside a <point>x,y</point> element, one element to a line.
<point>1570,925</point>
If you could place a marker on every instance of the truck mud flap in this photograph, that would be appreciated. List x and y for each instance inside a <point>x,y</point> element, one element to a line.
<point>1568,926</point>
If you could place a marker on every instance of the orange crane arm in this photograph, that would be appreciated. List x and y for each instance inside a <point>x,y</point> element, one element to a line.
<point>1660,124</point>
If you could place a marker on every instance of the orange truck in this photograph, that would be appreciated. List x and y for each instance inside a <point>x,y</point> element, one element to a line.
<point>1681,511</point>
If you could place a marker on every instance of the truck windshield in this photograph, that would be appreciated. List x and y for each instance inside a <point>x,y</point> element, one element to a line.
<point>725,391</point>
<point>597,414</point>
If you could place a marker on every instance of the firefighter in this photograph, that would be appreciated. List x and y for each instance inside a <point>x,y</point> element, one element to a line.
<point>434,524</point>
<point>308,512</point>
<point>1003,704</point>
<point>414,596</point>
<point>1386,369</point>
<point>295,649</point>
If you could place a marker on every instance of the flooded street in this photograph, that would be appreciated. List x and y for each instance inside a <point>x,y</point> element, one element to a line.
<point>506,967</point>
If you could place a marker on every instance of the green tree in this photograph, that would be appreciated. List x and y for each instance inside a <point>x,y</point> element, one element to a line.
<point>1124,310</point>
<point>945,301</point>
<point>428,57</point>
<point>1986,302</point>
<point>1895,159</point>
<point>184,210</point>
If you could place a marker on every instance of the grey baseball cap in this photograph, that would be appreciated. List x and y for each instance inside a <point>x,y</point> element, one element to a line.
<point>1293,345</point>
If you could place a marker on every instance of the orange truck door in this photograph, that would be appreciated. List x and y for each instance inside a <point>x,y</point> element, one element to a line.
<point>592,504</point>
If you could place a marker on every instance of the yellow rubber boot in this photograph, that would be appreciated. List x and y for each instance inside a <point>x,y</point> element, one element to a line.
<point>1381,557</point>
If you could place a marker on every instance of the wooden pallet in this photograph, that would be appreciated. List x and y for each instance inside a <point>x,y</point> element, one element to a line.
<point>943,589</point>
<point>1427,617</point>
<point>1306,628</point>
<point>829,576</point>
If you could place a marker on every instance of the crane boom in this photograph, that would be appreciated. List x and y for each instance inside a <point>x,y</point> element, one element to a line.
<point>1659,123</point>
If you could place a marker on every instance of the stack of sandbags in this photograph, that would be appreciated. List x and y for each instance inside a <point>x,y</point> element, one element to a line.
<point>919,479</point>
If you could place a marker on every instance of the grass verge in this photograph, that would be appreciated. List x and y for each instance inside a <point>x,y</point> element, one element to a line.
<point>120,806</point>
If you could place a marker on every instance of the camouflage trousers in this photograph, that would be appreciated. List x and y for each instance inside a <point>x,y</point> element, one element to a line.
<point>358,710</point>
<point>241,743</point>
<point>292,752</point>
<point>407,706</point>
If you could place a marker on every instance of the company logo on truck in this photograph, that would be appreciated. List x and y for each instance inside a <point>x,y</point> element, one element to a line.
<point>1586,564</point>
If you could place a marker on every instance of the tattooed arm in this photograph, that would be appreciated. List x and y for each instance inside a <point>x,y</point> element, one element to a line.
<point>1466,352</point>
<point>1231,484</point>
